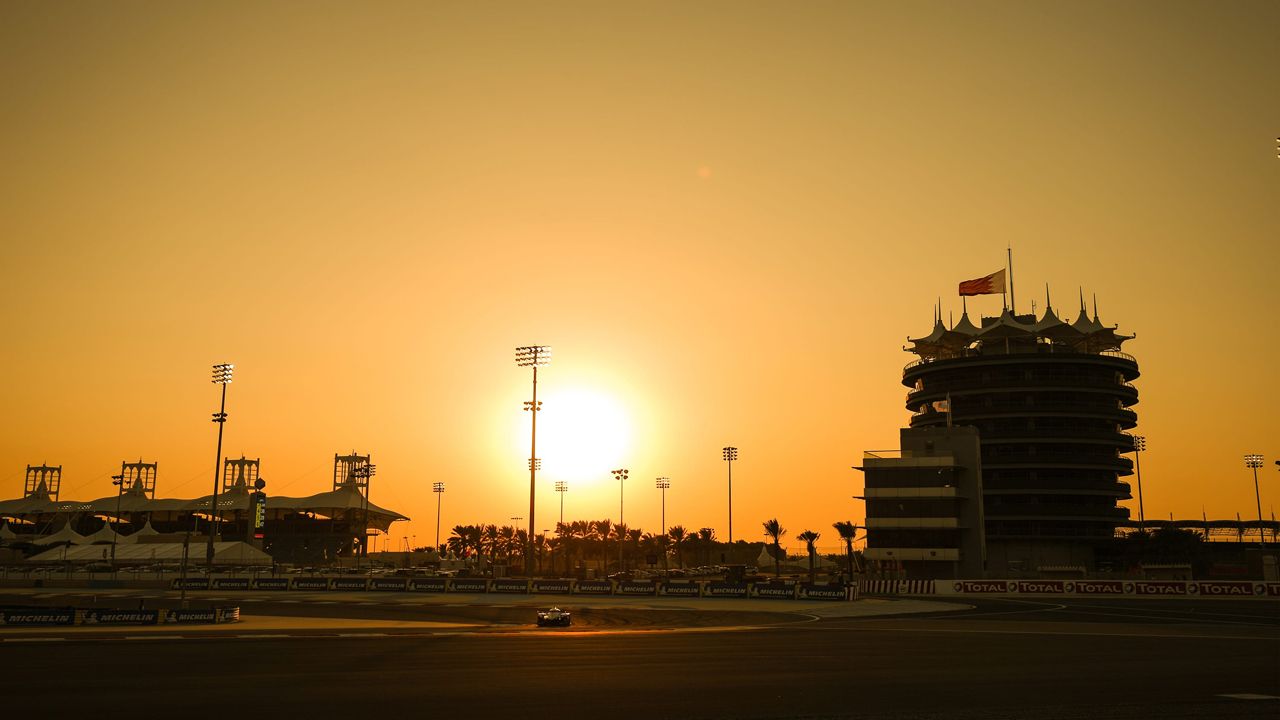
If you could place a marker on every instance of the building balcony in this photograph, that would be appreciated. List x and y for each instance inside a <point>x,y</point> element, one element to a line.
<point>896,553</point>
<point>1057,512</point>
<point>913,522</point>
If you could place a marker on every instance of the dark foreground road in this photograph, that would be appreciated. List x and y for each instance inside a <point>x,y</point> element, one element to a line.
<point>1000,660</point>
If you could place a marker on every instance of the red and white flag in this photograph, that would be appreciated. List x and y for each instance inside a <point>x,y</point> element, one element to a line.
<point>992,284</point>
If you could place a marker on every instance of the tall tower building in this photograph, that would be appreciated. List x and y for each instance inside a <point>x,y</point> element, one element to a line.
<point>1052,402</point>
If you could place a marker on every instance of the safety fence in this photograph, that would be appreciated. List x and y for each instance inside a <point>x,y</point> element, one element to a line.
<point>1081,588</point>
<point>515,586</point>
<point>54,616</point>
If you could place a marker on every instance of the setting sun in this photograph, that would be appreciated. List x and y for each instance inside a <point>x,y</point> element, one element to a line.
<point>582,434</point>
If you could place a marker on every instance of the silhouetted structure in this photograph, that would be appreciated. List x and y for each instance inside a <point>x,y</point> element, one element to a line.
<point>1051,401</point>
<point>924,504</point>
<point>314,529</point>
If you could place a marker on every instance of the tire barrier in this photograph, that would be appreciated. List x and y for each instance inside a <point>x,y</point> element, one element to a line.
<point>60,616</point>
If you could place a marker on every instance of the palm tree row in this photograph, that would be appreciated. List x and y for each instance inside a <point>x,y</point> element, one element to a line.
<point>582,540</point>
<point>845,528</point>
<point>604,541</point>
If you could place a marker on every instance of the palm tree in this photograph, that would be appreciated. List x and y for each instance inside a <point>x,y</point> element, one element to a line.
<point>679,536</point>
<point>847,531</point>
<point>707,541</point>
<point>810,537</point>
<point>775,531</point>
<point>601,530</point>
<point>460,540</point>
<point>489,541</point>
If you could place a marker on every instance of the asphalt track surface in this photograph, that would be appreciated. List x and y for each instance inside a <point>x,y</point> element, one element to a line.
<point>470,657</point>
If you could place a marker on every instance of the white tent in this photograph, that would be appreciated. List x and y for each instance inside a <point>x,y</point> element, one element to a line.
<point>224,553</point>
<point>64,535</point>
<point>105,534</point>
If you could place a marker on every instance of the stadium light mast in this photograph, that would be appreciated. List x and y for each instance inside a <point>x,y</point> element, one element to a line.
<point>221,376</point>
<point>118,481</point>
<point>662,484</point>
<point>621,476</point>
<point>1253,461</point>
<point>1140,444</point>
<point>730,454</point>
<point>534,356</point>
<point>562,487</point>
<point>438,489</point>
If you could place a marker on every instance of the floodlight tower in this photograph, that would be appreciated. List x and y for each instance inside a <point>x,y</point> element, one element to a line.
<point>362,474</point>
<point>1253,461</point>
<point>534,356</point>
<point>118,481</point>
<point>438,489</point>
<point>730,454</point>
<point>1140,444</point>
<point>621,476</point>
<point>221,376</point>
<point>562,487</point>
<point>662,484</point>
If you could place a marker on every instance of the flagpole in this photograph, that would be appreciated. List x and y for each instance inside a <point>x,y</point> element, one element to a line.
<point>1012,307</point>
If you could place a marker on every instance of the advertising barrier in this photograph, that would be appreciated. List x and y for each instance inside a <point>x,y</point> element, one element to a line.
<point>1096,587</point>
<point>271,583</point>
<point>637,587</point>
<point>349,583</point>
<point>427,585</point>
<point>560,587</point>
<point>99,616</point>
<point>1158,587</point>
<point>593,587</point>
<point>1034,587</point>
<point>725,589</point>
<point>468,585</point>
<point>388,584</point>
<point>36,617</point>
<point>231,583</point>
<point>773,590</point>
<point>309,583</point>
<point>191,583</point>
<point>823,592</point>
<point>510,585</point>
<point>1228,588</point>
<point>680,589</point>
<point>207,616</point>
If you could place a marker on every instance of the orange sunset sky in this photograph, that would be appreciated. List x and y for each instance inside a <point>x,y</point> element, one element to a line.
<point>725,218</point>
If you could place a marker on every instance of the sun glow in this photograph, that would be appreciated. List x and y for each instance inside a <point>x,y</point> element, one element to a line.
<point>582,434</point>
